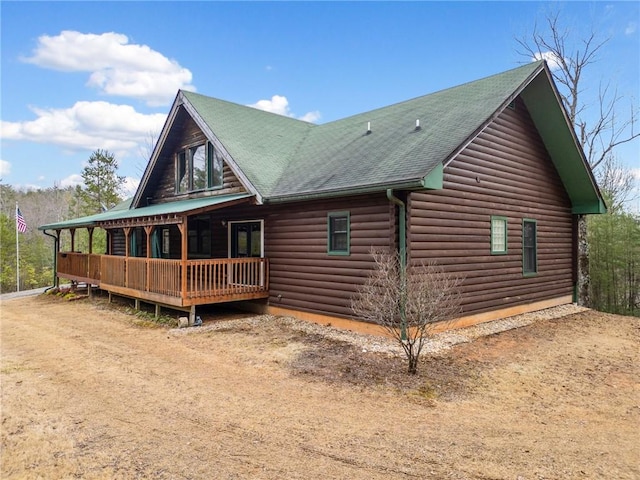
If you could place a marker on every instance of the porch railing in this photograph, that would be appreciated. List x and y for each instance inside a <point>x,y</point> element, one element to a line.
<point>205,279</point>
<point>226,276</point>
<point>79,266</point>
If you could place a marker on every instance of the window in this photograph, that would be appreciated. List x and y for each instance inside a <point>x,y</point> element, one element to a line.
<point>529,247</point>
<point>245,239</point>
<point>498,235</point>
<point>199,237</point>
<point>165,242</point>
<point>199,164</point>
<point>183,172</point>
<point>338,233</point>
<point>198,168</point>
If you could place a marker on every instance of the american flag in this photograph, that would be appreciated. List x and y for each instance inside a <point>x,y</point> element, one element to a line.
<point>21,225</point>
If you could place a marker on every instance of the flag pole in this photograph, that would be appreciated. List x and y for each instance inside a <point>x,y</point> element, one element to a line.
<point>17,252</point>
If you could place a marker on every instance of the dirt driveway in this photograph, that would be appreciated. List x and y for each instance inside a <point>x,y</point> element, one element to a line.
<point>89,392</point>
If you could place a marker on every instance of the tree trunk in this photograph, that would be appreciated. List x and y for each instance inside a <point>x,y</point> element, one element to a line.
<point>584,281</point>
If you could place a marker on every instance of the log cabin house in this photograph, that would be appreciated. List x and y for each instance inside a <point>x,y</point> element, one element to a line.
<point>241,205</point>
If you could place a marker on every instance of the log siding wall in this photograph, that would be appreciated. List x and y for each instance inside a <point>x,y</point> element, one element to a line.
<point>303,276</point>
<point>506,171</point>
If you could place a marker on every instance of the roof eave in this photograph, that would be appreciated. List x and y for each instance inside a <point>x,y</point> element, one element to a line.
<point>412,184</point>
<point>547,111</point>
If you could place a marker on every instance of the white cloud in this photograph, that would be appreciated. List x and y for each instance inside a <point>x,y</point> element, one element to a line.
<point>87,126</point>
<point>5,168</point>
<point>71,181</point>
<point>311,117</point>
<point>280,105</point>
<point>632,27</point>
<point>552,59</point>
<point>116,67</point>
<point>130,186</point>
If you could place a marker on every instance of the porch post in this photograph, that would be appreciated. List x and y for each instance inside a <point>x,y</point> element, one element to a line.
<point>127,246</point>
<point>183,257</point>
<point>90,230</point>
<point>127,252</point>
<point>72,231</point>
<point>148,230</point>
<point>55,261</point>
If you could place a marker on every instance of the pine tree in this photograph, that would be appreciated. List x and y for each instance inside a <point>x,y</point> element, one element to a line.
<point>101,183</point>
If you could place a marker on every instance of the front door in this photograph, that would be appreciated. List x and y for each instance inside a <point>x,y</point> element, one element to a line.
<point>245,239</point>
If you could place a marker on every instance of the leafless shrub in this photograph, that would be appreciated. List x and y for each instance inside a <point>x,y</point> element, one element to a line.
<point>407,302</point>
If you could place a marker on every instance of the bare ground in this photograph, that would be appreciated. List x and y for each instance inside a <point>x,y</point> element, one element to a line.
<point>90,392</point>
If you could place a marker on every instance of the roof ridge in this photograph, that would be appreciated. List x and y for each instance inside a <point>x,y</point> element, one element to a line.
<point>240,105</point>
<point>442,90</point>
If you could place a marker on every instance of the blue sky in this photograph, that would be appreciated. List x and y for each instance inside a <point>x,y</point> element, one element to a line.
<point>78,76</point>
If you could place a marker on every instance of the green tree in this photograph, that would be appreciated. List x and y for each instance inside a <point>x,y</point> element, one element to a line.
<point>614,241</point>
<point>102,184</point>
<point>7,254</point>
<point>100,192</point>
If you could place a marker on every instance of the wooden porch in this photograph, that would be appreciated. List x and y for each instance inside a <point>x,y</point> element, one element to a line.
<point>180,283</point>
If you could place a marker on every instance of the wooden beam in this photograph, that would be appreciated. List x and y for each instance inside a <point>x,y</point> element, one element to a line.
<point>146,296</point>
<point>127,245</point>
<point>127,252</point>
<point>72,231</point>
<point>183,256</point>
<point>90,230</point>
<point>148,230</point>
<point>170,219</point>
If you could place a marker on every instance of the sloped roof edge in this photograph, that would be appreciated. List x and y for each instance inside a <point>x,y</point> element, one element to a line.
<point>211,136</point>
<point>275,153</point>
<point>552,122</point>
<point>151,164</point>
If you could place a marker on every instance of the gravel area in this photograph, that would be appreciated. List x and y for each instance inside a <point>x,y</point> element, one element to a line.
<point>436,343</point>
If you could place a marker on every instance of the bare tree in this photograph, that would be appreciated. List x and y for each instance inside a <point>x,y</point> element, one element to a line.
<point>145,150</point>
<point>407,303</point>
<point>617,183</point>
<point>568,59</point>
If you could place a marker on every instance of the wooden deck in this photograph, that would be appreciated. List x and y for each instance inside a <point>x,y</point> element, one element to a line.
<point>180,283</point>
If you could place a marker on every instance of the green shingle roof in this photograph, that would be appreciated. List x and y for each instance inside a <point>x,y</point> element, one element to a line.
<point>261,143</point>
<point>341,155</point>
<point>122,211</point>
<point>284,157</point>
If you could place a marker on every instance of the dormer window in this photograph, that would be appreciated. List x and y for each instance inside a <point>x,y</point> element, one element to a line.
<point>198,167</point>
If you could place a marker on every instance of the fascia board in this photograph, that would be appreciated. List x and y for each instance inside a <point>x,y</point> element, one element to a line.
<point>157,149</point>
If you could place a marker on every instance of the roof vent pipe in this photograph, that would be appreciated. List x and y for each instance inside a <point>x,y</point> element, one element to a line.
<point>418,127</point>
<point>368,128</point>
